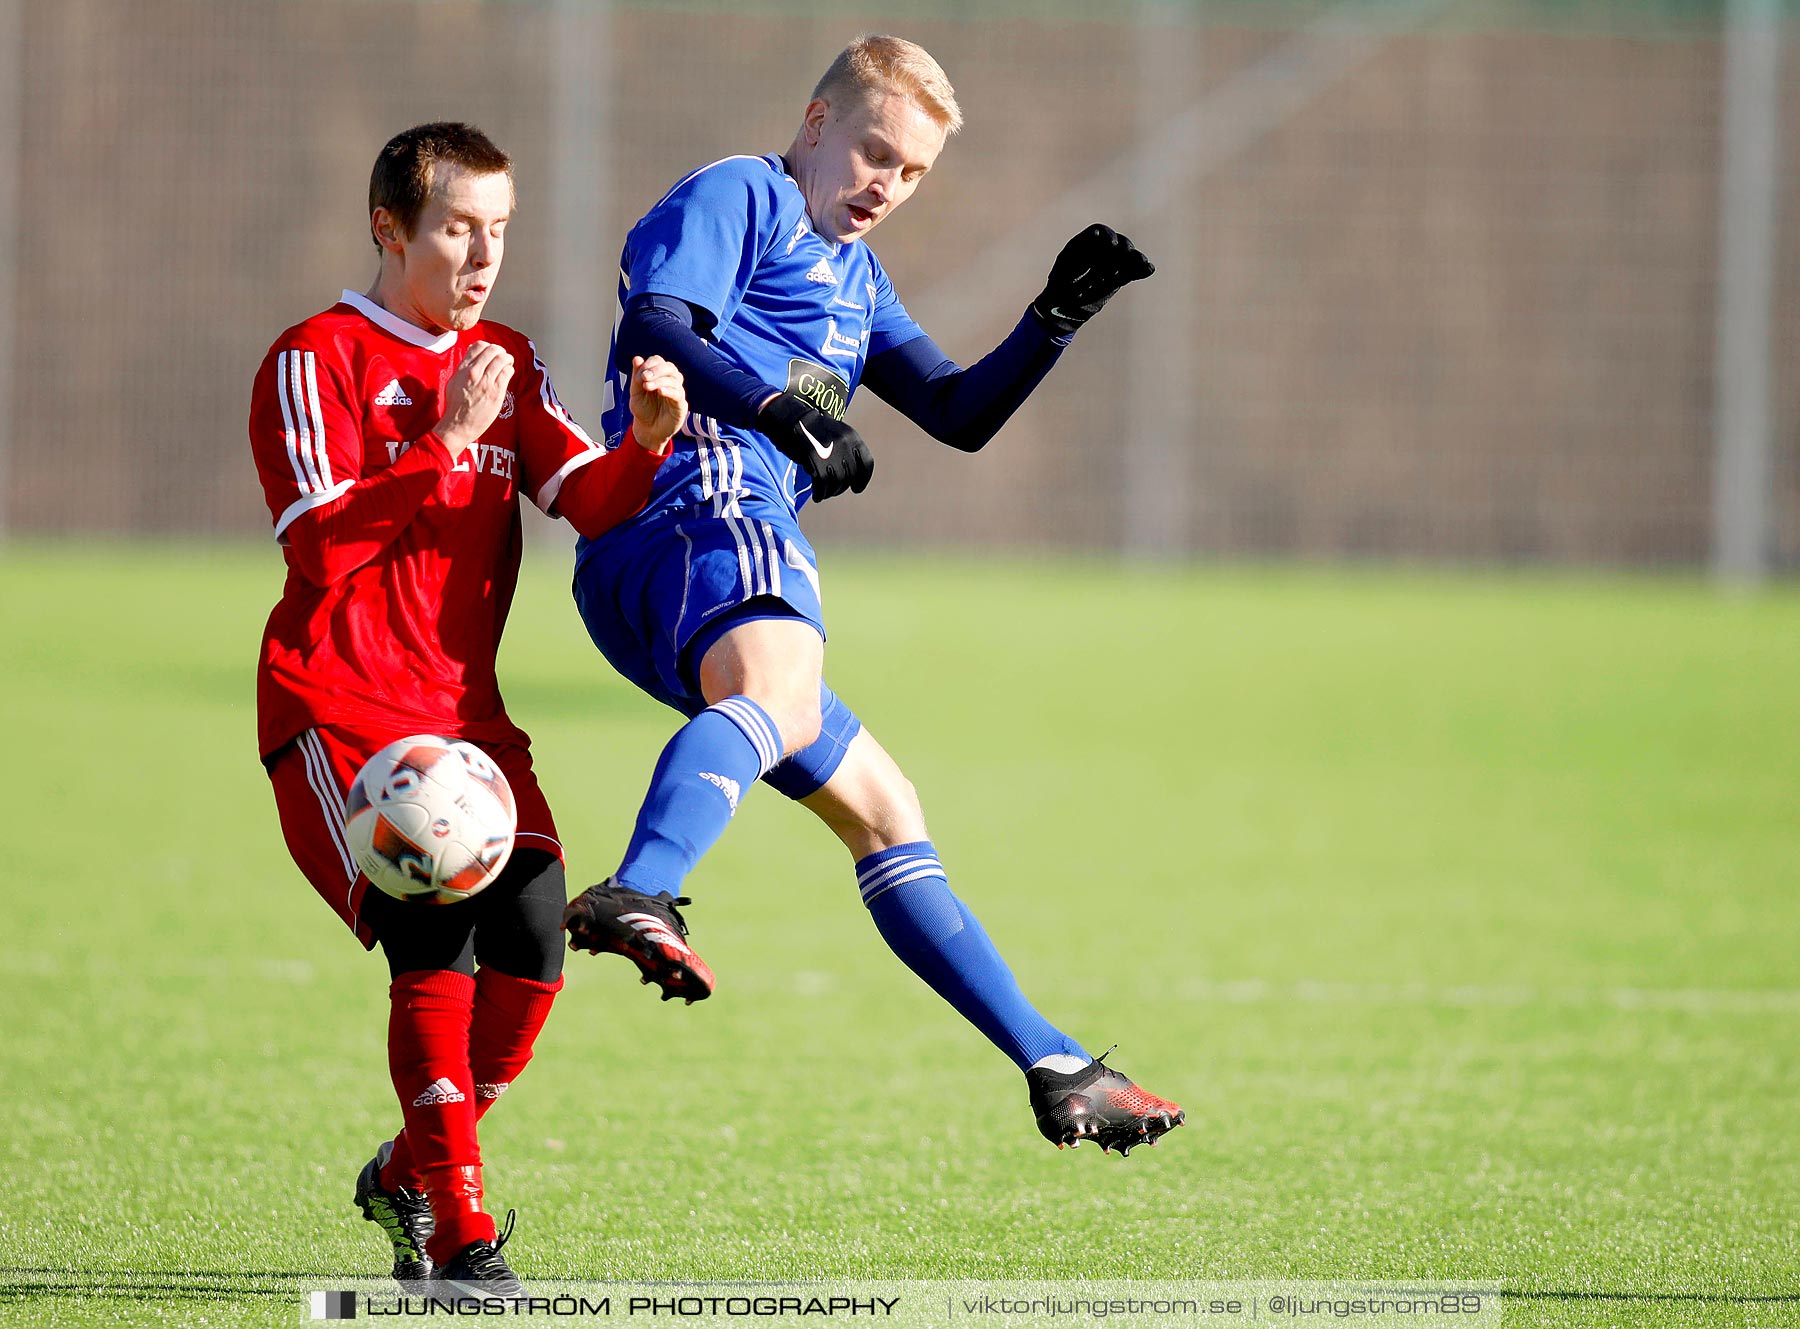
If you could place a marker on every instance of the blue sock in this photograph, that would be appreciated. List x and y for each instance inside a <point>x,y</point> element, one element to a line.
<point>713,761</point>
<point>941,941</point>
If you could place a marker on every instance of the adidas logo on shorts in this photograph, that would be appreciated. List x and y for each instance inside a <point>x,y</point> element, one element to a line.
<point>439,1090</point>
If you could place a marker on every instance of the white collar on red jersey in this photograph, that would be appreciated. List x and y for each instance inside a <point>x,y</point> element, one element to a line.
<point>399,327</point>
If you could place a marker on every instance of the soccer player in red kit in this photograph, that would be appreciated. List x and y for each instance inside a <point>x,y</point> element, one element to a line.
<point>394,434</point>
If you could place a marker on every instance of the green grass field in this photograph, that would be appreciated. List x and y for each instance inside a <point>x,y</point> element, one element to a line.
<point>1460,911</point>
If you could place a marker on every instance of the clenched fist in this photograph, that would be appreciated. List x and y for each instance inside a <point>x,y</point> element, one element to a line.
<point>1092,268</point>
<point>830,453</point>
<point>473,396</point>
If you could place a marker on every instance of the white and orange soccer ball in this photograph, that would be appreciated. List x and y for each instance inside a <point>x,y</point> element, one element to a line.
<point>431,819</point>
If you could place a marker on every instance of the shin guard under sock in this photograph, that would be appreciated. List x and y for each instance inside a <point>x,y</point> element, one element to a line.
<point>942,942</point>
<point>429,1016</point>
<point>456,1212</point>
<point>710,764</point>
<point>509,1014</point>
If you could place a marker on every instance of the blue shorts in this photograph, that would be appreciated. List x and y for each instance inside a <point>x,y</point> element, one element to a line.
<point>650,590</point>
<point>655,594</point>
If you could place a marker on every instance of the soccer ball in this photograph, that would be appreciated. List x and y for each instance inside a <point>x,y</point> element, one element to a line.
<point>431,819</point>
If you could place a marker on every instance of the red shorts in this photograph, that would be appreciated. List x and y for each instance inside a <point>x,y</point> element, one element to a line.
<point>310,776</point>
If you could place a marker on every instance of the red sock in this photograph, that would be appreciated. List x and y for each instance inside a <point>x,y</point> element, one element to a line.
<point>509,1012</point>
<point>400,1170</point>
<point>455,1195</point>
<point>428,1057</point>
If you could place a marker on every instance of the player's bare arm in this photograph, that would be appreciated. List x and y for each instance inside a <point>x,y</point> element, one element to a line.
<point>474,395</point>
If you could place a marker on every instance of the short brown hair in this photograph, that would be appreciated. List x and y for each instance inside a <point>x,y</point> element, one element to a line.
<point>892,64</point>
<point>406,168</point>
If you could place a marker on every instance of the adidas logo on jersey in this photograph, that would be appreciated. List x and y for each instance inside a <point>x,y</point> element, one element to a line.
<point>393,395</point>
<point>727,785</point>
<point>821,273</point>
<point>439,1090</point>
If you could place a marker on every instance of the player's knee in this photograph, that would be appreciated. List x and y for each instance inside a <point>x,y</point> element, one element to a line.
<point>798,721</point>
<point>907,799</point>
<point>903,814</point>
<point>776,663</point>
<point>520,930</point>
<point>891,814</point>
<point>534,952</point>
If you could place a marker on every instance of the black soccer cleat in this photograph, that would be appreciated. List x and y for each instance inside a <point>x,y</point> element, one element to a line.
<point>1098,1103</point>
<point>648,930</point>
<point>479,1270</point>
<point>403,1214</point>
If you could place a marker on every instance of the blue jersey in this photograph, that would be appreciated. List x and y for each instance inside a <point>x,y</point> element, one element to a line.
<point>801,312</point>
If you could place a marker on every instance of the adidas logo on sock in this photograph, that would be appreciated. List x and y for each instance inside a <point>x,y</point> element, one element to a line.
<point>492,1090</point>
<point>822,274</point>
<point>727,786</point>
<point>439,1090</point>
<point>393,395</point>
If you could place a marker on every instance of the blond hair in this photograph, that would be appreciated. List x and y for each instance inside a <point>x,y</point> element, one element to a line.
<point>874,64</point>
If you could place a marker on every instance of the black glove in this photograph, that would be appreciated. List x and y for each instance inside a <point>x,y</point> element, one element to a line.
<point>828,450</point>
<point>1090,270</point>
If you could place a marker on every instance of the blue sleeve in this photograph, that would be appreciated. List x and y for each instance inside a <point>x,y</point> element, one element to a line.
<point>662,325</point>
<point>889,323</point>
<point>962,407</point>
<point>701,243</point>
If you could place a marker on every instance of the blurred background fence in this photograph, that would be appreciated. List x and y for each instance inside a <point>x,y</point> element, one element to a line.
<point>1451,279</point>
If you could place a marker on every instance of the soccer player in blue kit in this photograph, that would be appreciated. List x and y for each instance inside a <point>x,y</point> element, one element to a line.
<point>752,276</point>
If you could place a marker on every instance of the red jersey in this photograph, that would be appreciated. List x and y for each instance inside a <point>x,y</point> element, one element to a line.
<point>402,563</point>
